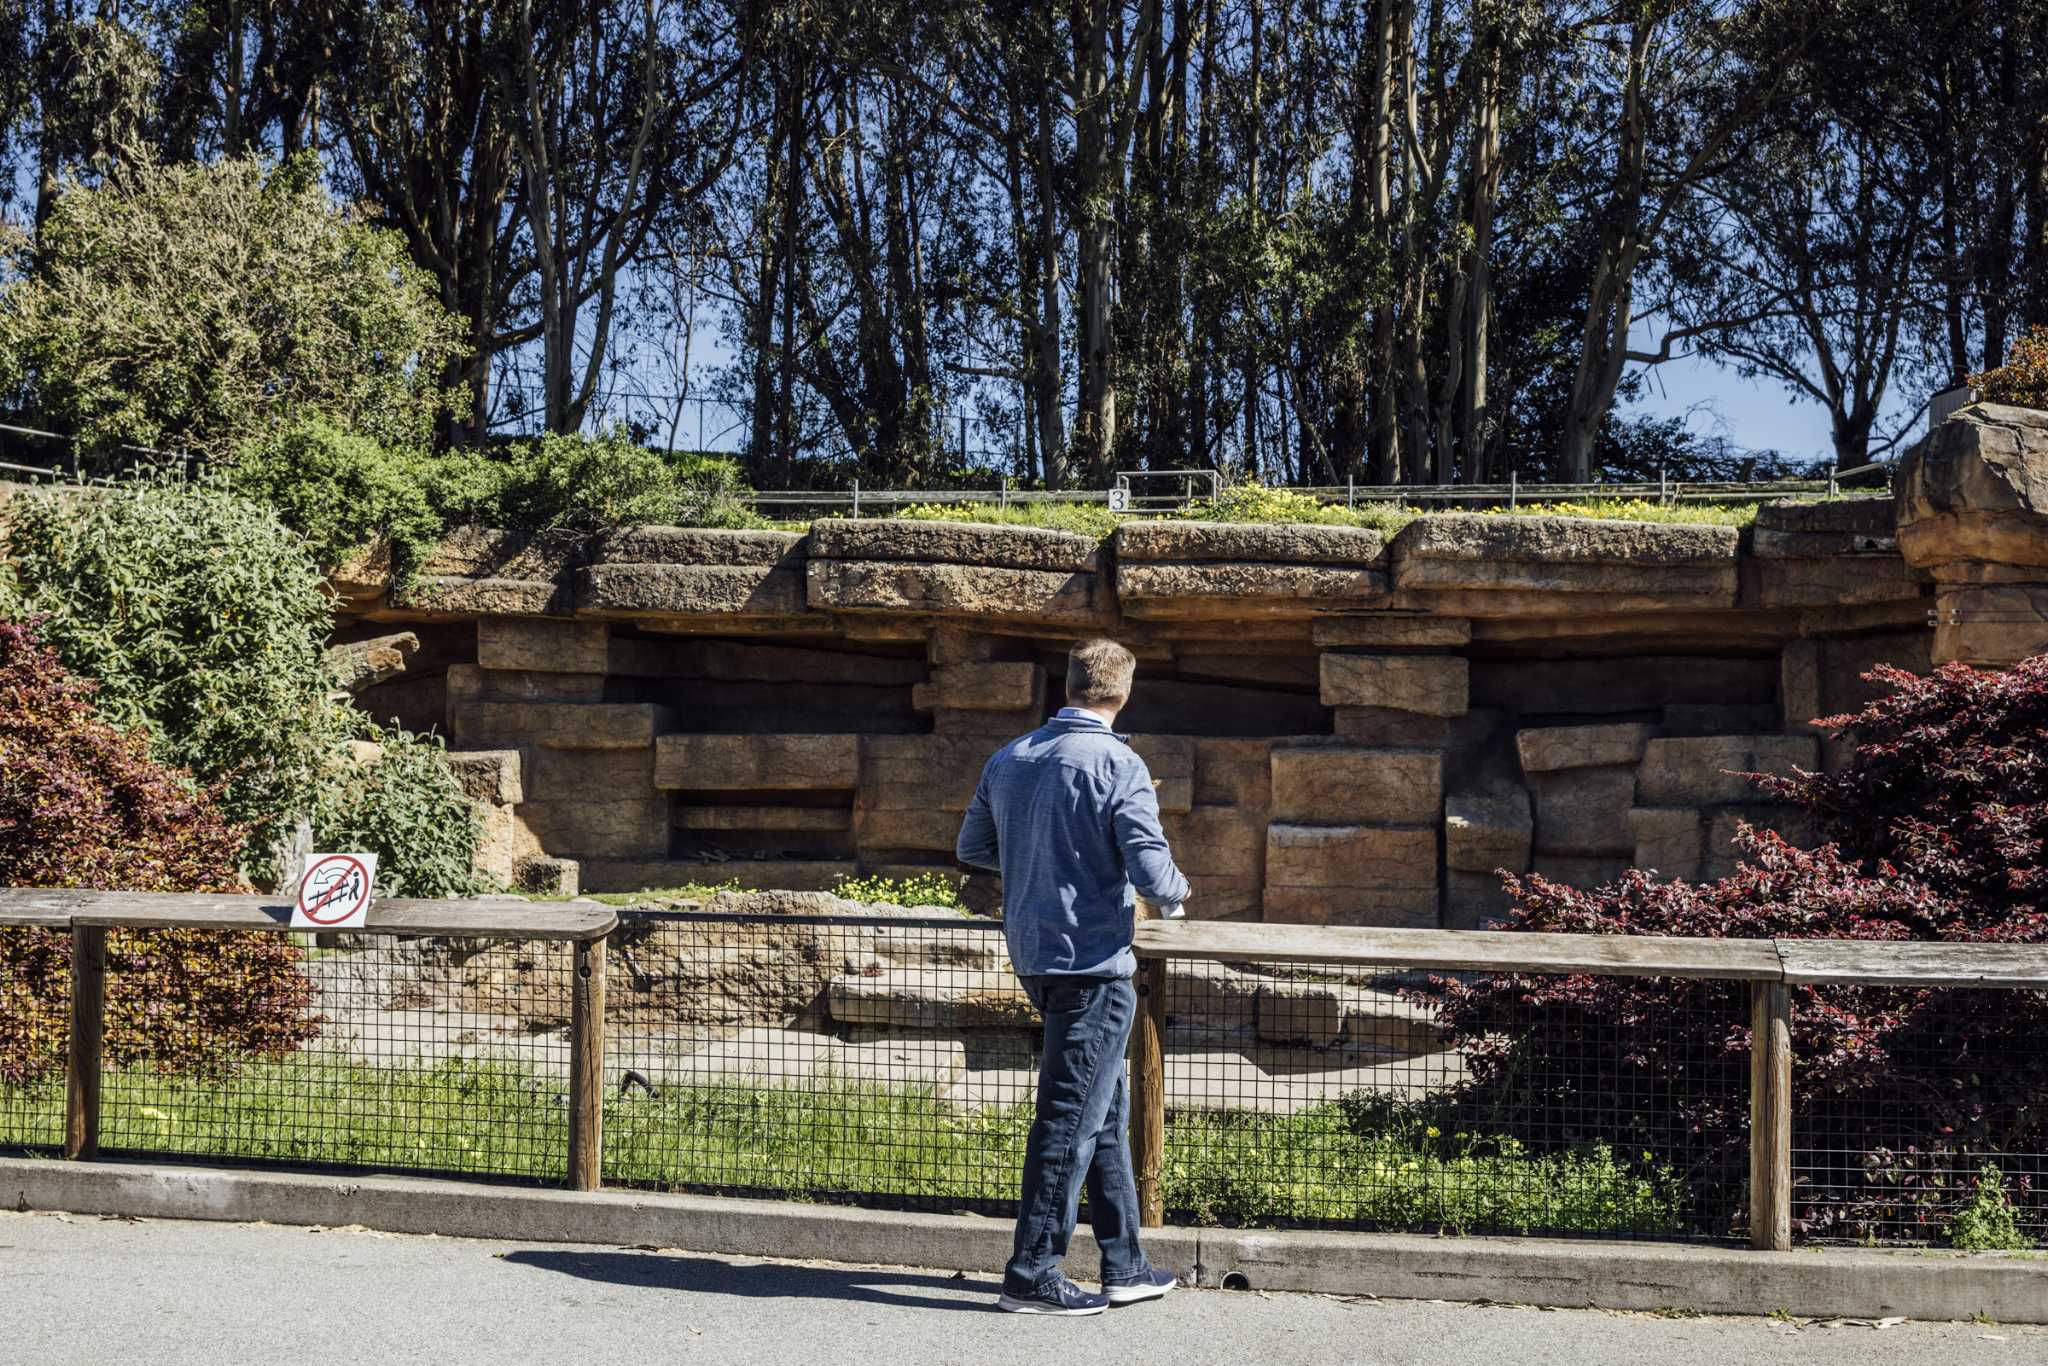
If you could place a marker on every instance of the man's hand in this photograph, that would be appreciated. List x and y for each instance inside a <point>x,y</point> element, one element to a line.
<point>1173,910</point>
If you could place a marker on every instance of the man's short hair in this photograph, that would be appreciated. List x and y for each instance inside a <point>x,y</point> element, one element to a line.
<point>1099,672</point>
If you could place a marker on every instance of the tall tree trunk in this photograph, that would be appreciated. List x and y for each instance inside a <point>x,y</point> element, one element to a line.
<point>1474,434</point>
<point>1603,345</point>
<point>1046,378</point>
<point>1207,339</point>
<point>792,198</point>
<point>1095,420</point>
<point>1386,467</point>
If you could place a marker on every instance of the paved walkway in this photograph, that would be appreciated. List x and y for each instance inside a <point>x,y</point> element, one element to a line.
<point>76,1288</point>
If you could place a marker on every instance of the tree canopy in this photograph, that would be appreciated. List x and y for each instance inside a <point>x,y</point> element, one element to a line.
<point>1301,240</point>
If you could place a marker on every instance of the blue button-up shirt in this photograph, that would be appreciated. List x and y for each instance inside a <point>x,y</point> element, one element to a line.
<point>1067,814</point>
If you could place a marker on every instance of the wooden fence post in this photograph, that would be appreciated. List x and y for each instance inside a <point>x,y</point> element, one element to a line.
<point>88,1032</point>
<point>586,1067</point>
<point>1770,1117</point>
<point>1148,1092</point>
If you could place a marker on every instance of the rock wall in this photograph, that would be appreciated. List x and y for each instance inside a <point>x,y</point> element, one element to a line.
<point>1345,728</point>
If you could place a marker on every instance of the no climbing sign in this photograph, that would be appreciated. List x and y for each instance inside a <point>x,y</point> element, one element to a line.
<point>335,892</point>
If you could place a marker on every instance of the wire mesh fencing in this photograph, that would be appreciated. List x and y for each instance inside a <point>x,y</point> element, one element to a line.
<point>892,1061</point>
<point>34,1034</point>
<point>1920,1116</point>
<point>840,1058</point>
<point>446,1055</point>
<point>1328,1095</point>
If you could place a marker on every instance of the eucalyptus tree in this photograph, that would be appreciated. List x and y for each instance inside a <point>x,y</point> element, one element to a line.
<point>617,111</point>
<point>1681,90</point>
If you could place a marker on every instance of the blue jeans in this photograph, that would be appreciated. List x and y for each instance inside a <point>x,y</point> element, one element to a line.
<point>1081,1135</point>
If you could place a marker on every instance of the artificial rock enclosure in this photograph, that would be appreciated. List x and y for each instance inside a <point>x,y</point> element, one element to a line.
<point>1345,728</point>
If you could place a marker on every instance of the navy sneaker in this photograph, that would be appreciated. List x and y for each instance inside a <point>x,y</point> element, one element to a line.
<point>1058,1296</point>
<point>1149,1286</point>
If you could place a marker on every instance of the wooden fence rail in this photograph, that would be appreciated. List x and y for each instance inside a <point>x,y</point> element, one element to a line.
<point>89,915</point>
<point>1770,967</point>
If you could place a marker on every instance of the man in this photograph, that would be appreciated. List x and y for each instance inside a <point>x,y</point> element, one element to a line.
<point>1068,816</point>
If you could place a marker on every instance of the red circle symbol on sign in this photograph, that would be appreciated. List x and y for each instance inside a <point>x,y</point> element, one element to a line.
<point>334,889</point>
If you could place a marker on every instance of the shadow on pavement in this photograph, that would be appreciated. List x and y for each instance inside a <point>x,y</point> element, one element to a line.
<point>704,1275</point>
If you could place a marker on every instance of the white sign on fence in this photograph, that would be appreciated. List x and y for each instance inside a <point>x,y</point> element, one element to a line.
<point>334,894</point>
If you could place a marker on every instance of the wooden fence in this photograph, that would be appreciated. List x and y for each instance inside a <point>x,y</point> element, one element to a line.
<point>1769,967</point>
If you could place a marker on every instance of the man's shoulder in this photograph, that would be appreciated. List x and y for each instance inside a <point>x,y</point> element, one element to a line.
<point>1094,746</point>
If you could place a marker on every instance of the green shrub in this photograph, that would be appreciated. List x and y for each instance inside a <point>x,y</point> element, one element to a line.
<point>199,306</point>
<point>1987,1223</point>
<point>919,889</point>
<point>82,804</point>
<point>200,616</point>
<point>407,808</point>
<point>590,484</point>
<point>341,491</point>
<point>1249,502</point>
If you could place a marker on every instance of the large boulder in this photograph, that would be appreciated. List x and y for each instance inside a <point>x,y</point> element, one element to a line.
<point>1012,547</point>
<point>1977,489</point>
<point>1973,511</point>
<point>993,574</point>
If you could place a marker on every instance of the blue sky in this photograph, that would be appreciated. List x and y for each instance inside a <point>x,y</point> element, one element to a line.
<point>1751,413</point>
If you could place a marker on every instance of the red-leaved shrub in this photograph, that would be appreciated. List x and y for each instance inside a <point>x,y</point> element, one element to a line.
<point>1949,785</point>
<point>83,805</point>
<point>1938,827</point>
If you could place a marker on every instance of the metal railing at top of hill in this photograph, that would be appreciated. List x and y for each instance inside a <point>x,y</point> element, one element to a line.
<point>1279,1074</point>
<point>1125,494</point>
<point>1129,492</point>
<point>1424,497</point>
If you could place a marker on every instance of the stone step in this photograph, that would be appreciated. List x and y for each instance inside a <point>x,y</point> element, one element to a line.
<point>931,999</point>
<point>795,1057</point>
<point>1208,996</point>
<point>1290,1009</point>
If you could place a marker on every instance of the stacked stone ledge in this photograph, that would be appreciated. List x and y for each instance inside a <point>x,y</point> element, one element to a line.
<point>834,695</point>
<point>1356,826</point>
<point>1692,795</point>
<point>960,570</point>
<point>1582,783</point>
<point>1218,570</point>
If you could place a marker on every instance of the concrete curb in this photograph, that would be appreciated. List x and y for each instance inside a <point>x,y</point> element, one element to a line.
<point>1708,1280</point>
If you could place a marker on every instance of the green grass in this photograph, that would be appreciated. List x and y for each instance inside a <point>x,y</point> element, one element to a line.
<point>1362,1160</point>
<point>1280,506</point>
<point>1639,510</point>
<point>32,1116</point>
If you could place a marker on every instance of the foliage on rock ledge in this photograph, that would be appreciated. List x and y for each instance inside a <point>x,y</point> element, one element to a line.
<point>82,804</point>
<point>2023,379</point>
<point>341,491</point>
<point>407,807</point>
